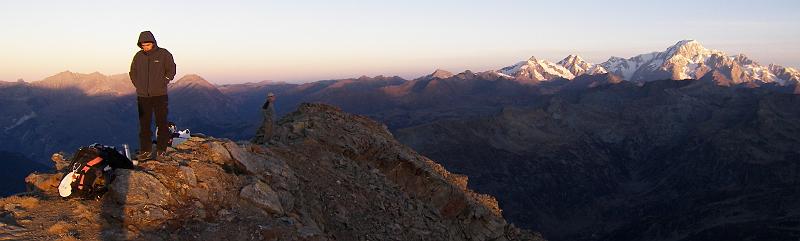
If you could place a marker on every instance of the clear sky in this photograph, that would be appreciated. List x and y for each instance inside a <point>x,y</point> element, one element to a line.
<point>298,41</point>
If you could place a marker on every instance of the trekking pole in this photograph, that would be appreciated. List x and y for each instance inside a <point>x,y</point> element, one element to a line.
<point>127,151</point>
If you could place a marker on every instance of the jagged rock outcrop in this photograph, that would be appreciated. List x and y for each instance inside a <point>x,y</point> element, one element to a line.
<point>326,175</point>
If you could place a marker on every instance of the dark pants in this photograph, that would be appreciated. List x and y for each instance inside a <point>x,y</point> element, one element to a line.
<point>147,106</point>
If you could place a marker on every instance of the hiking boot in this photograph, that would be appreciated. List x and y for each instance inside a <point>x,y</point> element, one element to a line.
<point>161,155</point>
<point>144,155</point>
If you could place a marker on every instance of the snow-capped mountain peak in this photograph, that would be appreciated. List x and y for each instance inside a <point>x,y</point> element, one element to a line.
<point>536,69</point>
<point>577,66</point>
<point>684,59</point>
<point>627,67</point>
<point>688,59</point>
<point>690,49</point>
<point>573,60</point>
<point>679,61</point>
<point>744,60</point>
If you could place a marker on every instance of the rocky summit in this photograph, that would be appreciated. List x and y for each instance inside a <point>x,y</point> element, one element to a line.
<point>325,175</point>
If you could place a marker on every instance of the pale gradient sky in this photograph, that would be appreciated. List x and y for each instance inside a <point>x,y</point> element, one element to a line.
<point>298,41</point>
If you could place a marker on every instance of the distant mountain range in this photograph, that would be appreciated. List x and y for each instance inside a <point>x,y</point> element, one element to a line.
<point>35,111</point>
<point>687,59</point>
<point>545,138</point>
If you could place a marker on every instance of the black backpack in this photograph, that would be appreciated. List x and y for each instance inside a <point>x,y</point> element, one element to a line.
<point>90,169</point>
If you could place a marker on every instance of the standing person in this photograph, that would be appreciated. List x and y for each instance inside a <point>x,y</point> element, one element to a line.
<point>152,69</point>
<point>264,132</point>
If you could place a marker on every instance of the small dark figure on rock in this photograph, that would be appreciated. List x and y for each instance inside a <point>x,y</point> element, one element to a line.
<point>264,132</point>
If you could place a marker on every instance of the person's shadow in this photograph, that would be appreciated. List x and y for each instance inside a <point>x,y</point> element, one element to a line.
<point>113,206</point>
<point>115,224</point>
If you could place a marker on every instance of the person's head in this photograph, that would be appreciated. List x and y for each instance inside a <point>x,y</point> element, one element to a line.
<point>147,41</point>
<point>271,96</point>
<point>147,46</point>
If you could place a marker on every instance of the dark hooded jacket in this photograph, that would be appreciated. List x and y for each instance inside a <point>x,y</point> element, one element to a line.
<point>151,71</point>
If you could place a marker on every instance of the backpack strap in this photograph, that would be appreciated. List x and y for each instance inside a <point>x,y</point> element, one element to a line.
<point>85,170</point>
<point>93,162</point>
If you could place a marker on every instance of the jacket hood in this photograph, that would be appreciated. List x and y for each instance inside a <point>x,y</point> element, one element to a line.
<point>147,36</point>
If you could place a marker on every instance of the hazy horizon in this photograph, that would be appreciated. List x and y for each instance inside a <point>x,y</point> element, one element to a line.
<point>254,41</point>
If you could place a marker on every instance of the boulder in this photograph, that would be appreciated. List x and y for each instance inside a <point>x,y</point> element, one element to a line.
<point>218,153</point>
<point>247,161</point>
<point>43,182</point>
<point>262,195</point>
<point>136,187</point>
<point>59,161</point>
